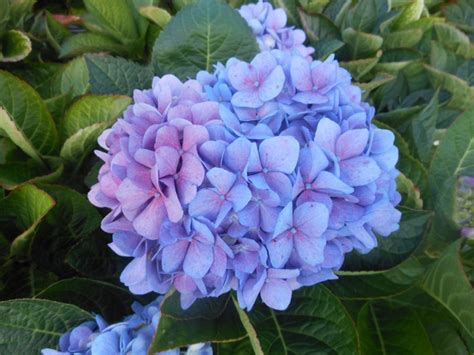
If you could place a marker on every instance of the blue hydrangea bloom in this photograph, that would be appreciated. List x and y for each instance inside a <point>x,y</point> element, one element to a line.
<point>257,177</point>
<point>132,336</point>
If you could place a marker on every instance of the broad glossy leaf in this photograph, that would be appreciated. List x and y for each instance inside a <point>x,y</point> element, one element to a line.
<point>15,46</point>
<point>454,39</point>
<point>15,173</point>
<point>25,118</point>
<point>157,15</point>
<point>89,42</point>
<point>453,158</point>
<point>377,284</point>
<point>108,300</point>
<point>114,75</point>
<point>361,44</point>
<point>91,257</point>
<point>410,193</point>
<point>387,330</point>
<point>200,36</point>
<point>315,323</point>
<point>28,205</point>
<point>27,325</point>
<point>422,129</point>
<point>114,17</point>
<point>409,14</point>
<point>402,39</point>
<point>397,247</point>
<point>360,67</point>
<point>447,283</point>
<point>462,93</point>
<point>92,109</point>
<point>196,327</point>
<point>379,80</point>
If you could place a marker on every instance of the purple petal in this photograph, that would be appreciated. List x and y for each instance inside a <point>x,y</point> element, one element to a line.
<point>206,204</point>
<point>240,196</point>
<point>167,160</point>
<point>301,74</point>
<point>285,220</point>
<point>133,276</point>
<point>329,183</point>
<point>184,284</point>
<point>310,248</point>
<point>198,260</point>
<point>281,184</point>
<point>311,161</point>
<point>276,294</point>
<point>279,154</point>
<point>279,249</point>
<point>212,152</point>
<point>327,133</point>
<point>352,143</point>
<point>311,219</point>
<point>222,179</point>
<point>310,98</point>
<point>148,222</point>
<point>203,112</point>
<point>242,76</point>
<point>132,198</point>
<point>192,170</point>
<point>173,255</point>
<point>251,290</point>
<point>272,85</point>
<point>194,135</point>
<point>248,99</point>
<point>237,155</point>
<point>359,171</point>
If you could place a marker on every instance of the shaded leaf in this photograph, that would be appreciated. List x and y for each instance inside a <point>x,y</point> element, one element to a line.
<point>200,36</point>
<point>15,46</point>
<point>114,75</point>
<point>88,42</point>
<point>110,301</point>
<point>27,326</point>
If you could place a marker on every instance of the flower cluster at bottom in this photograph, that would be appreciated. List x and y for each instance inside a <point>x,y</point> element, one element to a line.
<point>131,336</point>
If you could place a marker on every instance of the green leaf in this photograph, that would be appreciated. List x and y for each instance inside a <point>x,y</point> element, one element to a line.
<point>89,42</point>
<point>362,45</point>
<point>402,39</point>
<point>110,301</point>
<point>410,13</point>
<point>91,109</point>
<point>422,129</point>
<point>27,326</point>
<point>397,247</point>
<point>114,75</point>
<point>365,14</point>
<point>56,33</point>
<point>155,14</point>
<point>114,17</point>
<point>15,46</point>
<point>453,158</point>
<point>20,10</point>
<point>28,205</point>
<point>358,68</point>
<point>84,122</point>
<point>179,329</point>
<point>387,330</point>
<point>410,193</point>
<point>447,283</point>
<point>25,118</point>
<point>462,93</point>
<point>15,173</point>
<point>360,285</point>
<point>92,257</point>
<point>80,144</point>
<point>454,39</point>
<point>379,80</point>
<point>315,323</point>
<point>4,15</point>
<point>200,36</point>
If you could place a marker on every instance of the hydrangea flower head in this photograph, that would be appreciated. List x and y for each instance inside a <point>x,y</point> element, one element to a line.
<point>257,177</point>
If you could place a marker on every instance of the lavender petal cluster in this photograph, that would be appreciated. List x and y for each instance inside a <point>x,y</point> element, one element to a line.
<point>131,336</point>
<point>270,29</point>
<point>258,177</point>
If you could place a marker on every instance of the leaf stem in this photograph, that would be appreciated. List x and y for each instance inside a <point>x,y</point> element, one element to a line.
<point>244,318</point>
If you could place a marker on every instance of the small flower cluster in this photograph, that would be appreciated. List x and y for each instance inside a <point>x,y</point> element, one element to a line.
<point>258,178</point>
<point>269,27</point>
<point>131,336</point>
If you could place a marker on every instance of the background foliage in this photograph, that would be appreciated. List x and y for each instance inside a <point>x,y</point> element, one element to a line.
<point>68,69</point>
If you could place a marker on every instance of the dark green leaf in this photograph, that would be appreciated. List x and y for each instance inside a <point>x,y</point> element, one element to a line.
<point>89,42</point>
<point>15,46</point>
<point>25,118</point>
<point>314,323</point>
<point>361,44</point>
<point>447,283</point>
<point>110,301</point>
<point>196,327</point>
<point>27,326</point>
<point>387,330</point>
<point>114,75</point>
<point>200,36</point>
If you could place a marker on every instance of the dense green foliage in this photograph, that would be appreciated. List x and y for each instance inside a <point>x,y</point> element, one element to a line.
<point>67,71</point>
